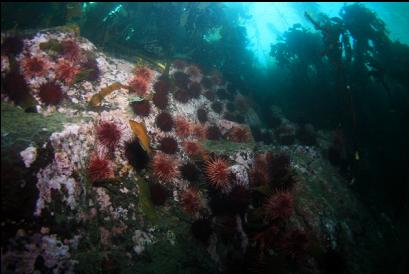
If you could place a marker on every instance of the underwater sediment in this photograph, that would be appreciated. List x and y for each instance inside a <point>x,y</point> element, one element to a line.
<point>111,167</point>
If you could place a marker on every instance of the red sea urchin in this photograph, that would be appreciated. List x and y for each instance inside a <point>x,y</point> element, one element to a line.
<point>165,167</point>
<point>144,73</point>
<point>50,93</point>
<point>34,66</point>
<point>182,127</point>
<point>71,50</point>
<point>108,134</point>
<point>168,145</point>
<point>217,171</point>
<point>139,86</point>
<point>66,71</point>
<point>190,200</point>
<point>141,108</point>
<point>199,131</point>
<point>192,149</point>
<point>99,169</point>
<point>239,134</point>
<point>164,121</point>
<point>279,206</point>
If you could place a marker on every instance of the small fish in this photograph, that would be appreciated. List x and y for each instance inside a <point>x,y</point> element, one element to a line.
<point>140,132</point>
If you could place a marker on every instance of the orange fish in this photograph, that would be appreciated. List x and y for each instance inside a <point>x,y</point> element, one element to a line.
<point>140,132</point>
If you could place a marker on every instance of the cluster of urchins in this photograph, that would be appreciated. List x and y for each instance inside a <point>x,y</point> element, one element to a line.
<point>65,58</point>
<point>164,166</point>
<point>264,206</point>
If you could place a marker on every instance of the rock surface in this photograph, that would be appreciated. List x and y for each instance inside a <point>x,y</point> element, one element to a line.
<point>67,223</point>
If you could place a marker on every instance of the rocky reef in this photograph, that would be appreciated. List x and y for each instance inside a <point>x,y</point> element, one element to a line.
<point>112,167</point>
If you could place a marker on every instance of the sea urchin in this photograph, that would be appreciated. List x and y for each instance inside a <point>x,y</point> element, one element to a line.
<point>99,169</point>
<point>164,167</point>
<point>34,66</point>
<point>279,206</point>
<point>239,134</point>
<point>182,127</point>
<point>50,93</point>
<point>141,108</point>
<point>189,172</point>
<point>160,99</point>
<point>66,71</point>
<point>108,134</point>
<point>217,171</point>
<point>168,145</point>
<point>192,149</point>
<point>190,200</point>
<point>164,121</point>
<point>139,86</point>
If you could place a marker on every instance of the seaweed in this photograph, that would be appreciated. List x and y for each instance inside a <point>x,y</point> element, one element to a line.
<point>97,98</point>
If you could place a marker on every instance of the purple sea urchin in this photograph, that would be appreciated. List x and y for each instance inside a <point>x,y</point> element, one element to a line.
<point>160,99</point>
<point>165,121</point>
<point>51,93</point>
<point>141,108</point>
<point>168,145</point>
